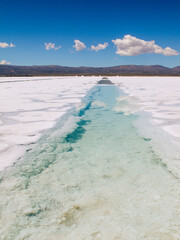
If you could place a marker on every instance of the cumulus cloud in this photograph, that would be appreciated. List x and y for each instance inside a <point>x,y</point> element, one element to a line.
<point>132,46</point>
<point>6,45</point>
<point>79,46</point>
<point>4,62</point>
<point>99,47</point>
<point>11,45</point>
<point>49,46</point>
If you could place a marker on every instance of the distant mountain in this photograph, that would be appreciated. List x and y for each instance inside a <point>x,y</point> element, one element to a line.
<point>123,70</point>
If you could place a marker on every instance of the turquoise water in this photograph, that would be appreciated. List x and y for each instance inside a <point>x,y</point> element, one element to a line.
<point>91,177</point>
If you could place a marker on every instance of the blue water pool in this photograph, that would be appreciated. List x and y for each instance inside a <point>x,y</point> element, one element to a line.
<point>92,177</point>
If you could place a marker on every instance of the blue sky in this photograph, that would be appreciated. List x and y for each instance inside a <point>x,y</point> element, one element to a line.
<point>30,24</point>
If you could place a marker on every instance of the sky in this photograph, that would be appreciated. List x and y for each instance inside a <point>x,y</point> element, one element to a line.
<point>90,33</point>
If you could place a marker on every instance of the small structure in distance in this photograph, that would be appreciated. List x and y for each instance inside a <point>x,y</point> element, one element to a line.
<point>105,80</point>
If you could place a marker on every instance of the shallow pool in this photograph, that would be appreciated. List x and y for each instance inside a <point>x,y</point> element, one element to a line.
<point>92,177</point>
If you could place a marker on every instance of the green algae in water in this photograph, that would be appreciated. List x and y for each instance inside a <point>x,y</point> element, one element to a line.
<point>101,181</point>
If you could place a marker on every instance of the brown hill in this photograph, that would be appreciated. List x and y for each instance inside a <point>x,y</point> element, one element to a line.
<point>123,70</point>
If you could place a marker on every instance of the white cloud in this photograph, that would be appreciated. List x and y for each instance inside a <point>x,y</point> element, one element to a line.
<point>6,45</point>
<point>132,46</point>
<point>79,46</point>
<point>11,45</point>
<point>99,47</point>
<point>4,62</point>
<point>50,46</point>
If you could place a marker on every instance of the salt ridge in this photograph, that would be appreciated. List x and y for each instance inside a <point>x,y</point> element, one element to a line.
<point>29,106</point>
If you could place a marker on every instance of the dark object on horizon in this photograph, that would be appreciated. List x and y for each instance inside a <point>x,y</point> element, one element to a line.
<point>105,80</point>
<point>122,70</point>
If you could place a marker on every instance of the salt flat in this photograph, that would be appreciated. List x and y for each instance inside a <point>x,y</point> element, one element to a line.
<point>30,105</point>
<point>94,176</point>
<point>159,97</point>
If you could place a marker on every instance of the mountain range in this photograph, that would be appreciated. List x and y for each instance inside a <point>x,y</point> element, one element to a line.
<point>55,70</point>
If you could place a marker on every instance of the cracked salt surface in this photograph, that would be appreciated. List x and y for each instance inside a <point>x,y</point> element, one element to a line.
<point>31,105</point>
<point>159,106</point>
<point>92,177</point>
<point>102,172</point>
